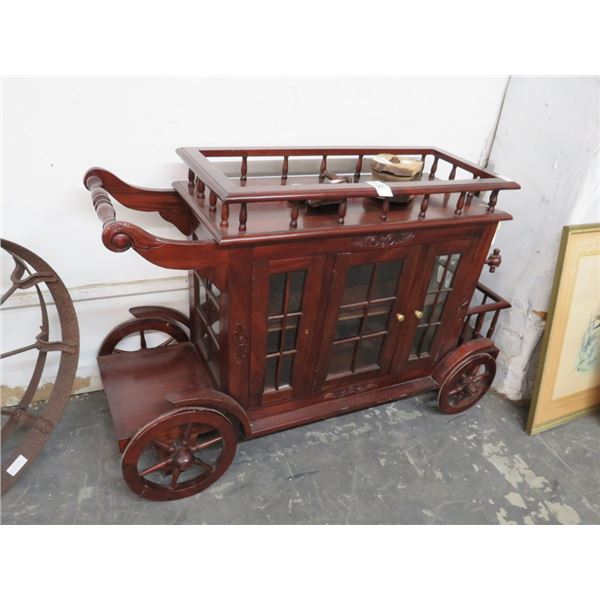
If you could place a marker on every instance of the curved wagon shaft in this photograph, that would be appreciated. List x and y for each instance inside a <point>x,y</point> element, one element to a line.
<point>30,271</point>
<point>314,290</point>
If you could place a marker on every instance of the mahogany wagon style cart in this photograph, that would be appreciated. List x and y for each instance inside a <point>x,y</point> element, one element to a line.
<point>310,296</point>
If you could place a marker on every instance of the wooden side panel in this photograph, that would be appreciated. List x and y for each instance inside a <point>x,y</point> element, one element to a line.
<point>237,327</point>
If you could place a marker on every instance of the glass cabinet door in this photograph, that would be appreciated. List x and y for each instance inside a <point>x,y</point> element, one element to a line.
<point>285,309</point>
<point>364,312</point>
<point>440,286</point>
<point>436,309</point>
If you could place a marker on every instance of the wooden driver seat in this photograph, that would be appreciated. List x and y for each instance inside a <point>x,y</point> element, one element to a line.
<point>137,383</point>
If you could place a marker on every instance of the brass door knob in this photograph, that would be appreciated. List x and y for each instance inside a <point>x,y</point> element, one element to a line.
<point>400,317</point>
<point>419,314</point>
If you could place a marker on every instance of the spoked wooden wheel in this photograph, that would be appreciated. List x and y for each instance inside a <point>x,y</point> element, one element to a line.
<point>141,328</point>
<point>466,383</point>
<point>179,454</point>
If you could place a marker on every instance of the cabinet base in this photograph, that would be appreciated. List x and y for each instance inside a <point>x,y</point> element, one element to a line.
<point>333,407</point>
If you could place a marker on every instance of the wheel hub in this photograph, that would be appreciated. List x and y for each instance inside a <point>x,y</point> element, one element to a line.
<point>183,458</point>
<point>472,389</point>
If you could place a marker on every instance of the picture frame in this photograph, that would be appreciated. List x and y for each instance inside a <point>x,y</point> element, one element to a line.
<point>568,378</point>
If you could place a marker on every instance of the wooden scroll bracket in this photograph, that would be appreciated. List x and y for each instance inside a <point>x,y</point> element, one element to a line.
<point>165,202</point>
<point>207,398</point>
<point>119,236</point>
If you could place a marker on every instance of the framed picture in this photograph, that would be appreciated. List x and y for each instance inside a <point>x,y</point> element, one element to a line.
<point>568,380</point>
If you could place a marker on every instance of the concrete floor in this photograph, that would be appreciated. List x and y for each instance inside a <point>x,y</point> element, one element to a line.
<point>400,463</point>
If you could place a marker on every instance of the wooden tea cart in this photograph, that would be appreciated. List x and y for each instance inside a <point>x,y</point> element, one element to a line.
<point>310,296</point>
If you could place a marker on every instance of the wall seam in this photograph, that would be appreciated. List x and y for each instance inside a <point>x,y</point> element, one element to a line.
<point>488,153</point>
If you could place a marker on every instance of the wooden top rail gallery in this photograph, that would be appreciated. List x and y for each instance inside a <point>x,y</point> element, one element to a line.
<point>294,193</point>
<point>208,180</point>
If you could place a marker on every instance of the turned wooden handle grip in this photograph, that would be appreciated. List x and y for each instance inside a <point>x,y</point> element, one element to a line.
<point>116,235</point>
<point>101,200</point>
<point>119,236</point>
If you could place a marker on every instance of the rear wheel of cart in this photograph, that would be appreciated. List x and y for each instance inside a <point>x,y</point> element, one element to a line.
<point>143,333</point>
<point>179,453</point>
<point>466,383</point>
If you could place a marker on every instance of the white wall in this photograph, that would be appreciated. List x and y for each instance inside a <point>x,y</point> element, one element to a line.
<point>55,129</point>
<point>547,140</point>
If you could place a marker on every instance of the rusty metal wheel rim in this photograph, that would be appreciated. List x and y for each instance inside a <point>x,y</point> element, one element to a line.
<point>31,271</point>
<point>466,384</point>
<point>141,327</point>
<point>175,438</point>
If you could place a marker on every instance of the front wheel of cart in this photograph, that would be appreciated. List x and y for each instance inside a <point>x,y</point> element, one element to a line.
<point>179,453</point>
<point>466,383</point>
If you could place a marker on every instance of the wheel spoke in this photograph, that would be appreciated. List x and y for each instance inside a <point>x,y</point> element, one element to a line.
<point>157,467</point>
<point>19,350</point>
<point>162,445</point>
<point>187,433</point>
<point>9,293</point>
<point>203,463</point>
<point>207,443</point>
<point>175,477</point>
<point>479,377</point>
<point>15,276</point>
<point>166,342</point>
<point>457,390</point>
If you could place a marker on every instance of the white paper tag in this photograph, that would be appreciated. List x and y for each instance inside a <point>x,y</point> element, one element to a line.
<point>384,190</point>
<point>16,465</point>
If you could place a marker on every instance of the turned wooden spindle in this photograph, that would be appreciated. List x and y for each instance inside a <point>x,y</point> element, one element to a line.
<point>424,206</point>
<point>478,324</point>
<point>191,178</point>
<point>492,328</point>
<point>342,211</point>
<point>461,203</point>
<point>243,216</point>
<point>475,176</point>
<point>451,177</point>
<point>224,214</point>
<point>358,168</point>
<point>469,198</point>
<point>433,168</point>
<point>385,209</point>
<point>244,169</point>
<point>323,168</point>
<point>199,188</point>
<point>284,169</point>
<point>492,201</point>
<point>212,200</point>
<point>101,201</point>
<point>294,214</point>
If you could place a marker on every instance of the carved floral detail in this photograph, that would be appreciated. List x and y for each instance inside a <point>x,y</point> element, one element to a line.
<point>353,388</point>
<point>240,339</point>
<point>382,240</point>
